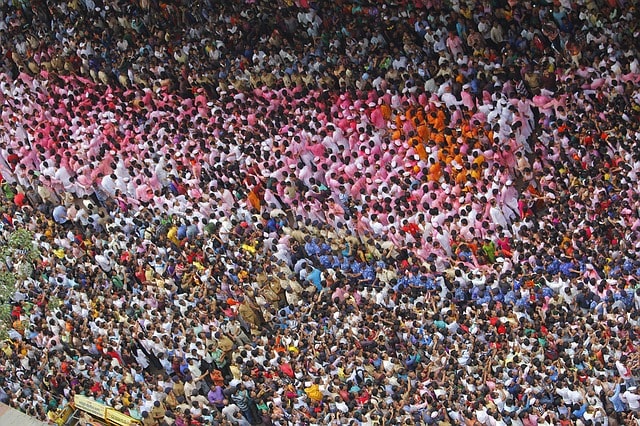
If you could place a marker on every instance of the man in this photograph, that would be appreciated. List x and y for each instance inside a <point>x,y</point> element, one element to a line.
<point>157,412</point>
<point>243,400</point>
<point>60,214</point>
<point>235,332</point>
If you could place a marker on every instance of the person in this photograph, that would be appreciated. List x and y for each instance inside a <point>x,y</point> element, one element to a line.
<point>227,112</point>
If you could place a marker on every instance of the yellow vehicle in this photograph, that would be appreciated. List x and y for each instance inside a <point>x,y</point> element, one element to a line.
<point>87,411</point>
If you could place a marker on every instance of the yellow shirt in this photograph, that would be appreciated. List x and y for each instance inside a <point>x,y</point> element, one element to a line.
<point>7,350</point>
<point>148,273</point>
<point>313,392</point>
<point>172,235</point>
<point>235,371</point>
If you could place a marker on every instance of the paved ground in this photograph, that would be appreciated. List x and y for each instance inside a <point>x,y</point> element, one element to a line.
<point>11,417</point>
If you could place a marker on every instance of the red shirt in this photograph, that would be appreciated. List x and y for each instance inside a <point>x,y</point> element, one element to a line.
<point>19,199</point>
<point>286,369</point>
<point>96,388</point>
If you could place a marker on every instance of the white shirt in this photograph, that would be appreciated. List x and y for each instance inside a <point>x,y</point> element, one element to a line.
<point>632,399</point>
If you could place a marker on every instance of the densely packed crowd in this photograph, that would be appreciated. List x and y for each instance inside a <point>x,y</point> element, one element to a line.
<point>345,212</point>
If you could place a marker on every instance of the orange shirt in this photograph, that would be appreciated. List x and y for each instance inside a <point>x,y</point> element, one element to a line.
<point>443,155</point>
<point>435,172</point>
<point>386,111</point>
<point>410,114</point>
<point>420,115</point>
<point>438,137</point>
<point>468,131</point>
<point>477,173</point>
<point>451,158</point>
<point>438,122</point>
<point>461,177</point>
<point>473,247</point>
<point>399,121</point>
<point>449,138</point>
<point>479,160</point>
<point>423,131</point>
<point>422,153</point>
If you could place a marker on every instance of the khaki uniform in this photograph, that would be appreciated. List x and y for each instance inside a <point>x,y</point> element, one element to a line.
<point>249,315</point>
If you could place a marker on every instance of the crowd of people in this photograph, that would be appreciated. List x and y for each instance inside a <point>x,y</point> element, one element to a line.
<point>302,212</point>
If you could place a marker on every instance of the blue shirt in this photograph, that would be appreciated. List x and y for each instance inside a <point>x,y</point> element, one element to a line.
<point>580,411</point>
<point>554,267</point>
<point>344,199</point>
<point>356,267</point>
<point>566,267</point>
<point>628,265</point>
<point>510,297</point>
<point>60,214</point>
<point>312,247</point>
<point>523,301</point>
<point>272,225</point>
<point>325,260</point>
<point>368,273</point>
<point>485,299</point>
<point>475,293</point>
<point>315,278</point>
<point>517,284</point>
<point>402,282</point>
<point>615,272</point>
<point>460,295</point>
<point>615,399</point>
<point>345,265</point>
<point>192,232</point>
<point>627,299</point>
<point>325,248</point>
<point>182,232</point>
<point>547,292</point>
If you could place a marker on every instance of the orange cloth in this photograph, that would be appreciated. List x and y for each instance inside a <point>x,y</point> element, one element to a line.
<point>386,111</point>
<point>476,173</point>
<point>253,199</point>
<point>435,172</point>
<point>438,122</point>
<point>422,153</point>
<point>461,177</point>
<point>423,131</point>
